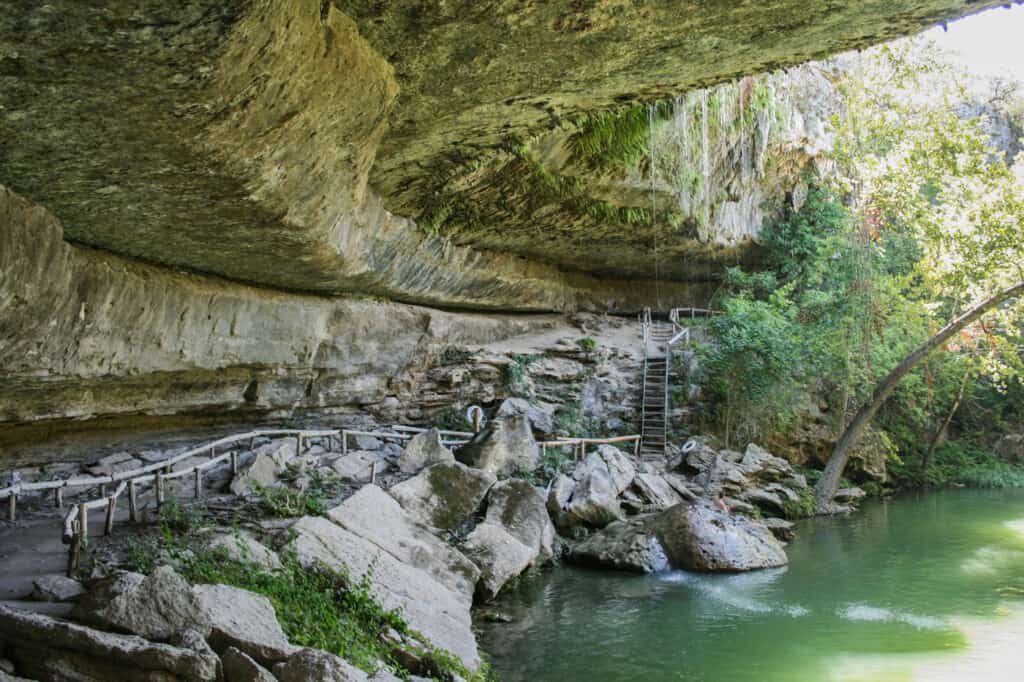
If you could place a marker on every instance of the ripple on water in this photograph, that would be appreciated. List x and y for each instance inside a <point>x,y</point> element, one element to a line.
<point>733,590</point>
<point>864,612</point>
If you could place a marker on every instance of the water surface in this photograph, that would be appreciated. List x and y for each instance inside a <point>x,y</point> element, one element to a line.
<point>926,587</point>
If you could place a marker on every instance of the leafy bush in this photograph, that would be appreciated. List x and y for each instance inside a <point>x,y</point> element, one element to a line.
<point>588,344</point>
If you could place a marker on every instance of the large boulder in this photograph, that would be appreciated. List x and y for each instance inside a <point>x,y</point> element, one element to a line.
<point>618,463</point>
<point>505,446</point>
<point>377,517</point>
<point>154,606</point>
<point>444,496</point>
<point>432,609</point>
<point>243,620</point>
<point>47,649</point>
<point>600,478</point>
<point>700,538</point>
<point>542,419</point>
<point>630,545</point>
<point>423,450</point>
<point>270,462</point>
<point>516,533</point>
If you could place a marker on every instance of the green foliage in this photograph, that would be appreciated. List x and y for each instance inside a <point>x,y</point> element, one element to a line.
<point>801,507</point>
<point>286,502</point>
<point>177,518</point>
<point>515,371</point>
<point>612,140</point>
<point>317,607</point>
<point>960,463</point>
<point>454,355</point>
<point>588,344</point>
<point>750,365</point>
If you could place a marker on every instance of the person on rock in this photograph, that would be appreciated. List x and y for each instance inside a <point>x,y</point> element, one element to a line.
<point>721,503</point>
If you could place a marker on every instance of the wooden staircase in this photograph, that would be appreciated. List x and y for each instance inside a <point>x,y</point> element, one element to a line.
<point>655,404</point>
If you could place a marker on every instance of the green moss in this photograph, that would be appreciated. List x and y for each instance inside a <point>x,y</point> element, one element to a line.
<point>801,507</point>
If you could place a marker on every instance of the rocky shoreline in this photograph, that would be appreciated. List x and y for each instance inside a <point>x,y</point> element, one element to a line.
<point>422,534</point>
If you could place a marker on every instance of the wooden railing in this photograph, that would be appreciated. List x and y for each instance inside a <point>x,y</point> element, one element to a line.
<point>580,444</point>
<point>75,527</point>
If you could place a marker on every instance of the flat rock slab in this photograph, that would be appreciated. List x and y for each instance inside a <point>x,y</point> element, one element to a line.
<point>378,518</point>
<point>440,614</point>
<point>238,667</point>
<point>49,649</point>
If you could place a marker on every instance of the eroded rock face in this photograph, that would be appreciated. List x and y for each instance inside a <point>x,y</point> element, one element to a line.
<point>699,538</point>
<point>313,664</point>
<point>234,179</point>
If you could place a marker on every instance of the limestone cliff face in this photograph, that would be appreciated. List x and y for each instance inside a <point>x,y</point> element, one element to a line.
<point>293,144</point>
<point>85,335</point>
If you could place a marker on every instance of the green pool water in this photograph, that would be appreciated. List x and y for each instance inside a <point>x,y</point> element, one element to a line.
<point>927,587</point>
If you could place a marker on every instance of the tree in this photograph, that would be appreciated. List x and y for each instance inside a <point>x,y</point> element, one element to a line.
<point>829,481</point>
<point>920,164</point>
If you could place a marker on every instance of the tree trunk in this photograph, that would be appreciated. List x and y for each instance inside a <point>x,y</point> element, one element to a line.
<point>926,460</point>
<point>829,482</point>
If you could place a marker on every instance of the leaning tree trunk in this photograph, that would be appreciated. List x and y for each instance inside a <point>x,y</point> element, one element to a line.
<point>829,482</point>
<point>926,460</point>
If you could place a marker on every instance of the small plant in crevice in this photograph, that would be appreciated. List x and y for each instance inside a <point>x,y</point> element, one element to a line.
<point>588,344</point>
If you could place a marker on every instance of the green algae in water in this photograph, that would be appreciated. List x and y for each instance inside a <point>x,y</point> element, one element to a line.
<point>906,590</point>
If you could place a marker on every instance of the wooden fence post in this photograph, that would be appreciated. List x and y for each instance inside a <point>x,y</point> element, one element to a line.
<point>298,444</point>
<point>83,522</point>
<point>133,502</point>
<point>234,463</point>
<point>373,472</point>
<point>198,488</point>
<point>108,528</point>
<point>158,484</point>
<point>12,506</point>
<point>58,497</point>
<point>344,443</point>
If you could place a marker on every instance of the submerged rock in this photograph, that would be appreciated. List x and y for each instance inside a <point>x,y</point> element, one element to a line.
<point>445,495</point>
<point>505,446</point>
<point>424,450</point>
<point>700,538</point>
